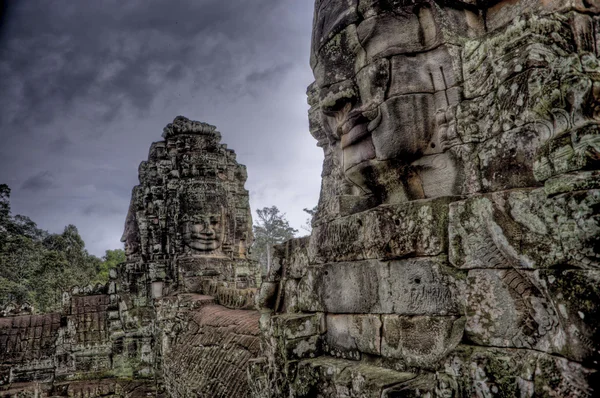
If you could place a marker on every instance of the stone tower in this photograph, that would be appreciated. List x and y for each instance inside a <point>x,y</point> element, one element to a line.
<point>189,222</point>
<point>178,314</point>
<point>456,247</point>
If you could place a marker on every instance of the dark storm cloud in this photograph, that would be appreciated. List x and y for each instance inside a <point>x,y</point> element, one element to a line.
<point>118,54</point>
<point>39,182</point>
<point>86,86</point>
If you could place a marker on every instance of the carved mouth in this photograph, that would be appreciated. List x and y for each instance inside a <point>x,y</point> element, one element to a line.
<point>204,239</point>
<point>354,128</point>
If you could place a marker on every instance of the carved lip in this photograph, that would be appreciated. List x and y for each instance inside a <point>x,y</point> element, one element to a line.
<point>354,128</point>
<point>203,239</point>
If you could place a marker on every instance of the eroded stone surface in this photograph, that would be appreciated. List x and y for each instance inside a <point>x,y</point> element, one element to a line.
<point>156,329</point>
<point>455,248</point>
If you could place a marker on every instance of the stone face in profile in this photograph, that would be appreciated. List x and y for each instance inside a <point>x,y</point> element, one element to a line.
<point>455,251</point>
<point>387,83</point>
<point>131,235</point>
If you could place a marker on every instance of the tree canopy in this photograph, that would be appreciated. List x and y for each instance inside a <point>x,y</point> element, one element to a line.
<point>36,267</point>
<point>270,229</point>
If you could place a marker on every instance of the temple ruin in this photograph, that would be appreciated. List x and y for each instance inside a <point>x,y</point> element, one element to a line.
<point>456,247</point>
<point>455,251</point>
<point>179,313</point>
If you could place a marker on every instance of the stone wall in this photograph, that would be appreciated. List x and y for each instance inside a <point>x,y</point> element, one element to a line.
<point>455,251</point>
<point>72,353</point>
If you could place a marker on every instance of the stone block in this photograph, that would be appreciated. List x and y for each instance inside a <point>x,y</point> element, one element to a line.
<point>372,82</point>
<point>552,311</point>
<point>290,295</point>
<point>387,34</point>
<point>420,340</point>
<point>348,335</point>
<point>568,152</point>
<point>577,181</point>
<point>294,326</point>
<point>514,373</point>
<point>293,255</point>
<point>330,377</point>
<point>303,347</point>
<point>332,16</point>
<point>505,161</point>
<point>525,229</point>
<point>406,127</point>
<point>422,286</point>
<point>335,60</point>
<point>428,72</point>
<point>417,228</point>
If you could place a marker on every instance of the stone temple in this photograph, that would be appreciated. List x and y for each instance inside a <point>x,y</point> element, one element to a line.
<point>179,313</point>
<point>455,251</point>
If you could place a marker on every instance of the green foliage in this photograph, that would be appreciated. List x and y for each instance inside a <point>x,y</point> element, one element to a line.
<point>37,267</point>
<point>111,259</point>
<point>270,229</point>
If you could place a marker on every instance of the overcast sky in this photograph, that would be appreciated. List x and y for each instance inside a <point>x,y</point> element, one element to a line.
<point>86,86</point>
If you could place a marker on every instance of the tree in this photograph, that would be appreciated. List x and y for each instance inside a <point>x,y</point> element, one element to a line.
<point>270,229</point>
<point>37,267</point>
<point>308,223</point>
<point>4,205</point>
<point>111,259</point>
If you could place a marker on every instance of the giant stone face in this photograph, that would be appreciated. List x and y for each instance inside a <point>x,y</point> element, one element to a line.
<point>204,232</point>
<point>488,112</point>
<point>204,216</point>
<point>387,90</point>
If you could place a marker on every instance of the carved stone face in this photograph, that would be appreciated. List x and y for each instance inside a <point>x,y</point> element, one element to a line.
<point>131,248</point>
<point>382,107</point>
<point>131,235</point>
<point>204,232</point>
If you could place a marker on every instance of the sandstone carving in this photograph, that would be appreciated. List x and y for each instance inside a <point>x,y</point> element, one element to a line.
<point>177,313</point>
<point>455,251</point>
<point>455,248</point>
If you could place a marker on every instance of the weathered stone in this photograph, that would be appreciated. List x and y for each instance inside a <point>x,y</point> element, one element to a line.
<point>525,229</point>
<point>544,310</point>
<point>336,58</point>
<point>415,228</point>
<point>337,377</point>
<point>422,340</point>
<point>466,129</point>
<point>218,342</point>
<point>350,335</point>
<point>408,287</point>
<point>510,372</point>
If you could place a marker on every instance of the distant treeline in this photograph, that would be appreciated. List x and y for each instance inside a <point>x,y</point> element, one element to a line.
<point>36,267</point>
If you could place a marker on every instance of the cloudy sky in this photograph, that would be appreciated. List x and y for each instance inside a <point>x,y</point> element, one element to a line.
<point>86,86</point>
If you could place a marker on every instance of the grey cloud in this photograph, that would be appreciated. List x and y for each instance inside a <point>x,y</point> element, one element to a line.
<point>101,209</point>
<point>85,87</point>
<point>268,74</point>
<point>74,57</point>
<point>38,182</point>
